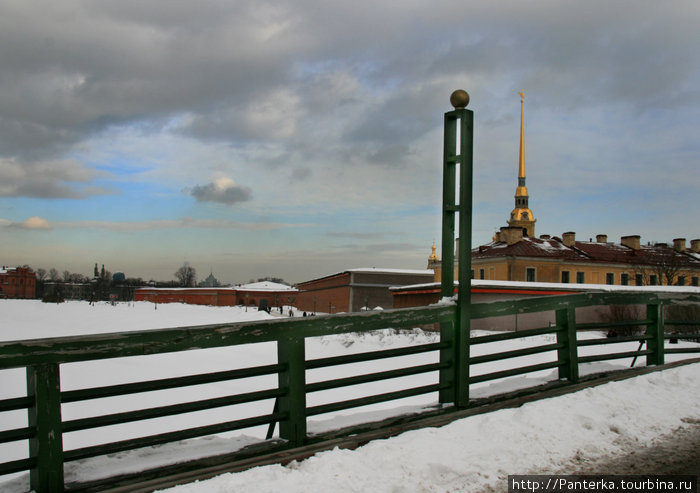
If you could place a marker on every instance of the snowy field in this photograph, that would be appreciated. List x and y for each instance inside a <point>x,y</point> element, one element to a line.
<point>469,455</point>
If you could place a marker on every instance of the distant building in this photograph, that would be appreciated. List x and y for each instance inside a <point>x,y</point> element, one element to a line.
<point>17,282</point>
<point>210,281</point>
<point>257,294</point>
<point>355,290</point>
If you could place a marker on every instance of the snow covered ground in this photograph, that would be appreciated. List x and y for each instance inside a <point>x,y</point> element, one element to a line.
<point>472,454</point>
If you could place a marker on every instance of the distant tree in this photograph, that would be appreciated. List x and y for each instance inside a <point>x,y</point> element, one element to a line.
<point>186,275</point>
<point>66,276</point>
<point>53,274</point>
<point>41,274</point>
<point>97,272</point>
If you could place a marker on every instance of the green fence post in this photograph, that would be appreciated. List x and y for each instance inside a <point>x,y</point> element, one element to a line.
<point>566,335</point>
<point>46,446</point>
<point>459,122</point>
<point>655,334</point>
<point>291,354</point>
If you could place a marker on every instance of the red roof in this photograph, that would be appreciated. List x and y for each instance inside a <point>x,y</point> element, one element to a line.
<point>586,251</point>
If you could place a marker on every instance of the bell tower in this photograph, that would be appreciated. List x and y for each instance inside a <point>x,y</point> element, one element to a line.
<point>522,216</point>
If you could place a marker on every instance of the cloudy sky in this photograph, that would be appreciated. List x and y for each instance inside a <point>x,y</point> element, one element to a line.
<point>301,138</point>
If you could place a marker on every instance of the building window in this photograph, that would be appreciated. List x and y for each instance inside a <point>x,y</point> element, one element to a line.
<point>624,279</point>
<point>610,278</point>
<point>472,273</point>
<point>639,279</point>
<point>565,274</point>
<point>653,281</point>
<point>695,281</point>
<point>580,277</point>
<point>482,274</point>
<point>530,274</point>
<point>680,281</point>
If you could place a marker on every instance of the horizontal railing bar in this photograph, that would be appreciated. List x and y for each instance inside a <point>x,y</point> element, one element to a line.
<point>681,322</point>
<point>170,410</point>
<point>173,436</point>
<point>16,403</point>
<point>506,336</point>
<point>373,355</point>
<point>604,357</point>
<point>515,353</point>
<point>681,350</point>
<point>373,399</point>
<point>17,466</point>
<point>682,336</point>
<point>514,371</point>
<point>612,340</point>
<point>16,434</point>
<point>613,324</point>
<point>136,343</point>
<point>167,383</point>
<point>374,377</point>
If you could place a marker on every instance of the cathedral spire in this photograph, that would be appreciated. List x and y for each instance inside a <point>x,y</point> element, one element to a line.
<point>522,216</point>
<point>521,167</point>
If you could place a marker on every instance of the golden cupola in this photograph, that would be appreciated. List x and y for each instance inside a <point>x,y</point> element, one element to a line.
<point>521,216</point>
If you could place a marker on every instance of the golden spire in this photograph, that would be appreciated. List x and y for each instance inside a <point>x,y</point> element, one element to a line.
<point>522,216</point>
<point>521,169</point>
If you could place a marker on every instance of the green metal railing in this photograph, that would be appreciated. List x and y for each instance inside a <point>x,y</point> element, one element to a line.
<point>43,359</point>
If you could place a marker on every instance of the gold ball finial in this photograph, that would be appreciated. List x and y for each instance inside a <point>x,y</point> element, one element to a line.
<point>459,99</point>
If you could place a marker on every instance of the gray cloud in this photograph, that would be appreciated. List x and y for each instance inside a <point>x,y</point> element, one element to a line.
<point>48,179</point>
<point>221,190</point>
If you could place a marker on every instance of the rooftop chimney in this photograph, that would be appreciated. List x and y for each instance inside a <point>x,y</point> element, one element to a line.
<point>601,238</point>
<point>695,245</point>
<point>679,244</point>
<point>568,238</point>
<point>544,237</point>
<point>631,241</point>
<point>511,234</point>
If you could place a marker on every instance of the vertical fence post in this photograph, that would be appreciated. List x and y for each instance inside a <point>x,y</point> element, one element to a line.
<point>566,335</point>
<point>655,334</point>
<point>291,354</point>
<point>46,446</point>
<point>457,334</point>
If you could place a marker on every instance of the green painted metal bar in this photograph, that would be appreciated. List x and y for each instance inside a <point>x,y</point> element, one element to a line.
<point>167,383</point>
<point>514,371</point>
<point>174,436</point>
<point>605,357</point>
<point>567,337</point>
<point>170,410</point>
<point>373,377</point>
<point>612,340</point>
<point>612,324</point>
<point>682,336</point>
<point>291,354</point>
<point>463,328</point>
<point>373,355</point>
<point>15,404</point>
<point>46,446</point>
<point>655,334</point>
<point>681,322</point>
<point>16,466</point>
<point>507,336</point>
<point>373,399</point>
<point>681,350</point>
<point>515,353</point>
<point>19,354</point>
<point>7,436</point>
<point>449,209</point>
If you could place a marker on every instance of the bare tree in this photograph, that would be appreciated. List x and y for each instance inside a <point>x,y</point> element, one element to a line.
<point>41,274</point>
<point>54,275</point>
<point>186,275</point>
